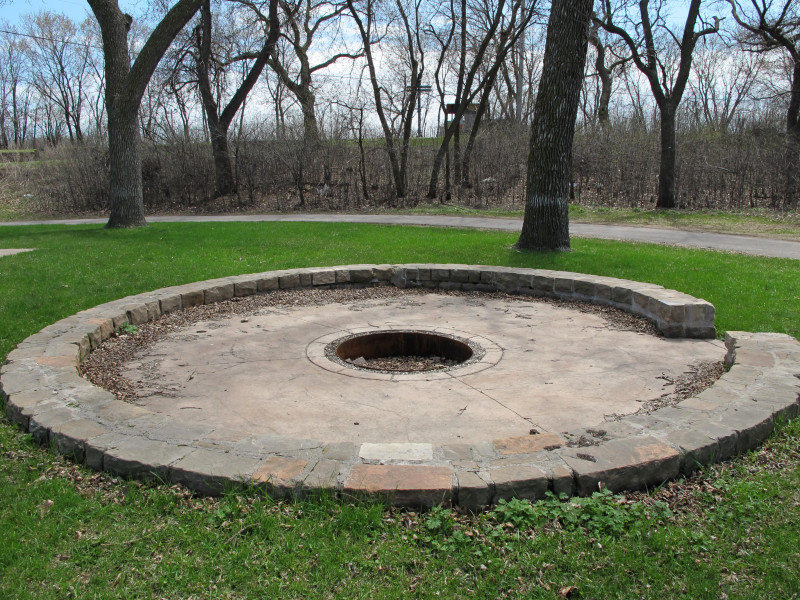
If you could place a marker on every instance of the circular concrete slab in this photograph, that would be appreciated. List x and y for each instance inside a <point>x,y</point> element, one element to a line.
<point>545,367</point>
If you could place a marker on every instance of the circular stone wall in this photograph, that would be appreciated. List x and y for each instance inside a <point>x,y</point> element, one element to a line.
<point>538,407</point>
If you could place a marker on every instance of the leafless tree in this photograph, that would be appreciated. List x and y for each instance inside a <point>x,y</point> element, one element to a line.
<point>368,16</point>
<point>219,122</point>
<point>302,22</point>
<point>723,81</point>
<point>502,26</point>
<point>59,65</point>
<point>608,57</point>
<point>665,58</point>
<point>775,25</point>
<point>14,95</point>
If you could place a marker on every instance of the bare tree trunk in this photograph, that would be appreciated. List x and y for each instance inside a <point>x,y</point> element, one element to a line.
<point>125,170</point>
<point>125,85</point>
<point>546,223</point>
<point>666,172</point>
<point>219,124</point>
<point>792,152</point>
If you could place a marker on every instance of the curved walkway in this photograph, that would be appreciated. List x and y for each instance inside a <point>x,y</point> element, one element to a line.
<point>674,237</point>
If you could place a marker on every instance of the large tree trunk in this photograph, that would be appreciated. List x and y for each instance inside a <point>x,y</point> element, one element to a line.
<point>125,162</point>
<point>125,171</point>
<point>792,152</point>
<point>125,85</point>
<point>666,172</point>
<point>546,223</point>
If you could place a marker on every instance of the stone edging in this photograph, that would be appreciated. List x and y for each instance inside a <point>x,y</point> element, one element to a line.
<point>45,394</point>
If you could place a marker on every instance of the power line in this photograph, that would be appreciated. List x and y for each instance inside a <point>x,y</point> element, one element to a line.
<point>46,39</point>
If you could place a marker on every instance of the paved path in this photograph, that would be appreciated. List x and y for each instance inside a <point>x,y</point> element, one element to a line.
<point>674,237</point>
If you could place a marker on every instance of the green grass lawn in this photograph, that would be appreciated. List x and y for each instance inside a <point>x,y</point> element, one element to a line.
<point>67,532</point>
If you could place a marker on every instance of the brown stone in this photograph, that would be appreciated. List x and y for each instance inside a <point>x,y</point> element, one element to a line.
<point>527,444</point>
<point>402,484</point>
<point>279,474</point>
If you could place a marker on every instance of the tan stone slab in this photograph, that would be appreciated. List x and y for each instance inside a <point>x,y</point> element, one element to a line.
<point>527,444</point>
<point>402,484</point>
<point>279,471</point>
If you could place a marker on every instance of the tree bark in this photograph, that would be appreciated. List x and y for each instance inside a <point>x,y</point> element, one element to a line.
<point>666,172</point>
<point>792,152</point>
<point>546,222</point>
<point>125,85</point>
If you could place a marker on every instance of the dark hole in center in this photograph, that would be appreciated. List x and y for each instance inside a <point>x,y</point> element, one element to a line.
<point>399,344</point>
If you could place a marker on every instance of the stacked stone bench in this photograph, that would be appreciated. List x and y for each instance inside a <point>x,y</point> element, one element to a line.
<point>45,394</point>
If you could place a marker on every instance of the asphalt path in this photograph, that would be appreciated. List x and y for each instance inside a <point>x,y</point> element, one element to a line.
<point>674,237</point>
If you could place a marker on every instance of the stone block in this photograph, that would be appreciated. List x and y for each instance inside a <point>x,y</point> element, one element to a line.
<point>698,448</point>
<point>192,297</point>
<point>281,475</point>
<point>603,293</point>
<point>210,473</point>
<point>219,293</point>
<point>117,411</point>
<point>631,463</point>
<point>473,492</point>
<point>100,329</point>
<point>667,310</point>
<point>288,282</point>
<point>306,279</point>
<point>361,275</point>
<point>753,424</point>
<point>71,437</point>
<point>561,480</point>
<point>245,287</point>
<point>325,475</point>
<point>519,481</point>
<point>754,358</point>
<point>169,304</point>
<point>342,276</point>
<point>457,452</point>
<point>409,452</point>
<point>42,421</point>
<point>585,288</point>
<point>622,296</point>
<point>323,278</point>
<point>268,284</point>
<point>142,458</point>
<point>20,406</point>
<point>542,285</point>
<point>459,275</point>
<point>563,286</point>
<point>137,314</point>
<point>403,485</point>
<point>527,444</point>
<point>509,282</point>
<point>342,451</point>
<point>440,274</point>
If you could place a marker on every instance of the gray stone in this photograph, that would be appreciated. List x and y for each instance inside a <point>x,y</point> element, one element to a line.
<point>323,278</point>
<point>142,458</point>
<point>518,481</point>
<point>325,475</point>
<point>210,473</point>
<point>632,463</point>
<point>473,492</point>
<point>219,293</point>
<point>342,451</point>
<point>245,287</point>
<point>71,437</point>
